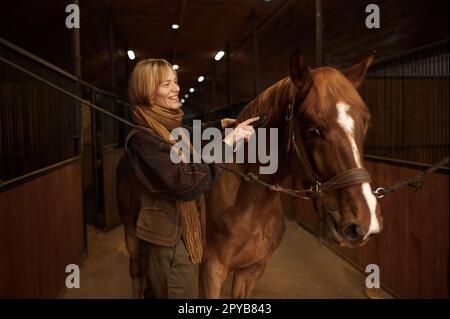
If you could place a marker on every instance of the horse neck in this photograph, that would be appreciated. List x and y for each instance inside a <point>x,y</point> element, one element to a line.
<point>273,104</point>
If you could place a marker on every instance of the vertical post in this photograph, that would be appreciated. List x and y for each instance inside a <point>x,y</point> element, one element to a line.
<point>76,56</point>
<point>213,85</point>
<point>96,144</point>
<point>228,57</point>
<point>255,55</point>
<point>76,49</point>
<point>82,118</point>
<point>118,109</point>
<point>127,66</point>
<point>319,34</point>
<point>112,57</point>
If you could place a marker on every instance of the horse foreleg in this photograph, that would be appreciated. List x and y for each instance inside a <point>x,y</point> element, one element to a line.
<point>244,282</point>
<point>212,275</point>
<point>135,267</point>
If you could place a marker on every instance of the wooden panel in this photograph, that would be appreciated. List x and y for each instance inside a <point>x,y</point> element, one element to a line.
<point>41,231</point>
<point>412,249</point>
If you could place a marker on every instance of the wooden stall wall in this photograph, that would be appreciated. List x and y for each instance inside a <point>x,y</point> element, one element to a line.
<point>412,249</point>
<point>41,232</point>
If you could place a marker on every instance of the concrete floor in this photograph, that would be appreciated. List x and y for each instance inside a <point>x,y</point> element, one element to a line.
<point>300,268</point>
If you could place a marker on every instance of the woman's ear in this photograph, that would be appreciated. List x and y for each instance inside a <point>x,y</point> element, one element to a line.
<point>357,72</point>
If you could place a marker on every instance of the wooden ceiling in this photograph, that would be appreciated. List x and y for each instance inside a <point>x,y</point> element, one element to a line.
<point>143,26</point>
<point>205,28</point>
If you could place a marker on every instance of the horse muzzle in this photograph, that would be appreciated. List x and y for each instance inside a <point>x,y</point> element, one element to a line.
<point>350,234</point>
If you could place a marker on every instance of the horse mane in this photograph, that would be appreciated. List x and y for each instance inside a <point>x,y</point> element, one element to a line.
<point>329,87</point>
<point>271,102</point>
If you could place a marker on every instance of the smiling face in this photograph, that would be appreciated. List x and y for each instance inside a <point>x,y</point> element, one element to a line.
<point>166,94</point>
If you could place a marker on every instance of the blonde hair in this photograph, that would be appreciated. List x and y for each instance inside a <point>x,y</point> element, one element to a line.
<point>147,75</point>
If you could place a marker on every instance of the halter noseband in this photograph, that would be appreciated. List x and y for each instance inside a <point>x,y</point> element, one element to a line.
<point>312,183</point>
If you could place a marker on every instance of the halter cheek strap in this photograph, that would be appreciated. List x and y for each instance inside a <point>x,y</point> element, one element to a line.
<point>312,183</point>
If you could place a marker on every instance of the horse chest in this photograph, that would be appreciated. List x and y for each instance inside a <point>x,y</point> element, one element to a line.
<point>256,242</point>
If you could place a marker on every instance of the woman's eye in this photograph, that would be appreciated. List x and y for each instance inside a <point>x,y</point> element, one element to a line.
<point>314,132</point>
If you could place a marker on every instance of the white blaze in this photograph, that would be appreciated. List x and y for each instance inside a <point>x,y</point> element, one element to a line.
<point>348,125</point>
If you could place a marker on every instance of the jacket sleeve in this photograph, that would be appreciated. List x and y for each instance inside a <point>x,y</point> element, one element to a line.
<point>214,124</point>
<point>152,166</point>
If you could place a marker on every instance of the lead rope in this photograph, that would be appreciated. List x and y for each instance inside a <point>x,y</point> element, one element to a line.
<point>380,192</point>
<point>415,182</point>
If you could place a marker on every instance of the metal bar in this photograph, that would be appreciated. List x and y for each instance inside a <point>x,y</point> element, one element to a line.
<point>255,55</point>
<point>228,84</point>
<point>112,57</point>
<point>37,59</point>
<point>95,107</point>
<point>213,84</point>
<point>39,172</point>
<point>95,177</point>
<point>76,49</point>
<point>404,163</point>
<point>180,22</point>
<point>52,67</point>
<point>405,53</point>
<point>276,12</point>
<point>319,34</point>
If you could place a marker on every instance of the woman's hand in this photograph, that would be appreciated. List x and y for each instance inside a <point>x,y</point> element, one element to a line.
<point>227,122</point>
<point>243,132</point>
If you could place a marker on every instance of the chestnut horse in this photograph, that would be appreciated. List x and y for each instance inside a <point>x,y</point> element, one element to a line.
<point>245,222</point>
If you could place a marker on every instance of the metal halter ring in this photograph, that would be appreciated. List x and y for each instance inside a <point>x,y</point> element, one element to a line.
<point>315,188</point>
<point>289,113</point>
<point>379,192</point>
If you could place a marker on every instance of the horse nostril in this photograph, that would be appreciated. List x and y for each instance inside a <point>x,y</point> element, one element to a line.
<point>353,232</point>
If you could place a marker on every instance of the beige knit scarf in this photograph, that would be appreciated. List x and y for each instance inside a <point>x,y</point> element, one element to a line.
<point>163,120</point>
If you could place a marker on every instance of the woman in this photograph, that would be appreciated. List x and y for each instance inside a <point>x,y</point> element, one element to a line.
<point>170,194</point>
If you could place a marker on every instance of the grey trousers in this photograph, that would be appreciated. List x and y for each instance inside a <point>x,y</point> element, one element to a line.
<point>170,272</point>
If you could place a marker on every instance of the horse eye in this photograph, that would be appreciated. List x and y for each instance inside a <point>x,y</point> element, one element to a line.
<point>314,132</point>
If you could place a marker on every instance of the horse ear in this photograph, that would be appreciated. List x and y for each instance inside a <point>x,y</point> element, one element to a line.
<point>357,72</point>
<point>300,73</point>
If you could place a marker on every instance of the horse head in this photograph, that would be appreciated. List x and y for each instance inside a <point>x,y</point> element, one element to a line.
<point>331,122</point>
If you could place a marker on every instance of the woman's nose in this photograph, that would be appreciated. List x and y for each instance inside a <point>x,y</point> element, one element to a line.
<point>176,87</point>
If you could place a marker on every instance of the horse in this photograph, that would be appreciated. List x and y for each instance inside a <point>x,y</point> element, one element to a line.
<point>322,122</point>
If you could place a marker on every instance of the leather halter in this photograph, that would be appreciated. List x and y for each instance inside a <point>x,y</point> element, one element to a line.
<point>312,183</point>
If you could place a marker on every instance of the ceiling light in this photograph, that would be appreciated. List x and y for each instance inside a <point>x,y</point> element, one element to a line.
<point>186,96</point>
<point>219,55</point>
<point>175,66</point>
<point>131,54</point>
<point>183,100</point>
<point>191,90</point>
<point>201,78</point>
<point>175,26</point>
